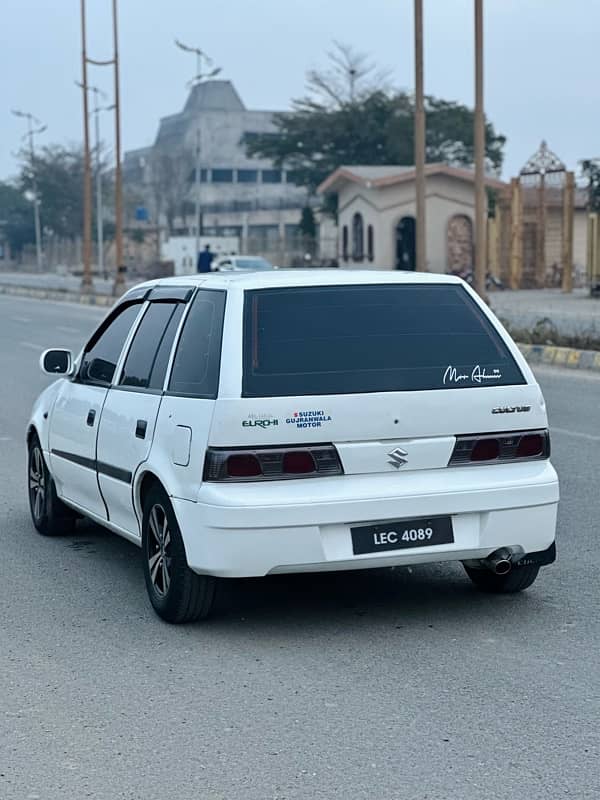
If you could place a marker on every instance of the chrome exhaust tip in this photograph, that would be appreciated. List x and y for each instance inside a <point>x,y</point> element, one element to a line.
<point>500,562</point>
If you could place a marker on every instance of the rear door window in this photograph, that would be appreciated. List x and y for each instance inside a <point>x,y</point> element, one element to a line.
<point>197,360</point>
<point>374,338</point>
<point>146,363</point>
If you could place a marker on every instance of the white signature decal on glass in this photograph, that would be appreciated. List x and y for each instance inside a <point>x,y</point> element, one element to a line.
<point>477,375</point>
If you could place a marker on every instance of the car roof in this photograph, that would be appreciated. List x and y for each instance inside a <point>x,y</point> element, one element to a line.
<point>300,277</point>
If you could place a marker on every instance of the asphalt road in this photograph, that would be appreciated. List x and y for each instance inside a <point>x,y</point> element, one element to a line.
<point>404,684</point>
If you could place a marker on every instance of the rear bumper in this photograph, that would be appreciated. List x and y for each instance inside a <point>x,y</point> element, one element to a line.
<point>252,529</point>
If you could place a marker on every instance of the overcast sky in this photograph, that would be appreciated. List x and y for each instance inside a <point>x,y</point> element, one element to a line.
<point>541,61</point>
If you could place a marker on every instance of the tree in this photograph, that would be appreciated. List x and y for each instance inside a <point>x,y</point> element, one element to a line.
<point>16,218</point>
<point>170,179</point>
<point>591,170</point>
<point>350,116</point>
<point>58,172</point>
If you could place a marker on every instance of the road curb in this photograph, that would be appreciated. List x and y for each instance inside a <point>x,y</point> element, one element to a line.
<point>61,295</point>
<point>569,357</point>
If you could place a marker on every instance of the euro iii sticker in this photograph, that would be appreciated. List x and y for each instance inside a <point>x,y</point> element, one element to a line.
<point>308,419</point>
<point>260,421</point>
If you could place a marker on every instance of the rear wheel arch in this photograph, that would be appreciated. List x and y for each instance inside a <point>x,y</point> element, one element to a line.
<point>176,593</point>
<point>145,483</point>
<point>31,433</point>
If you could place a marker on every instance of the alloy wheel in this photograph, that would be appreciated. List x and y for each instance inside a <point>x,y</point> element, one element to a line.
<point>159,550</point>
<point>37,483</point>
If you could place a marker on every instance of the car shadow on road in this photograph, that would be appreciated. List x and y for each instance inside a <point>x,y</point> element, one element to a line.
<point>402,597</point>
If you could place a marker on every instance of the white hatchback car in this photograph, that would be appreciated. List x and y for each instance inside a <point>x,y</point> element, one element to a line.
<point>242,264</point>
<point>277,422</point>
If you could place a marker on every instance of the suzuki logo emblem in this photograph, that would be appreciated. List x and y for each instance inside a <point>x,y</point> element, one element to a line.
<point>396,457</point>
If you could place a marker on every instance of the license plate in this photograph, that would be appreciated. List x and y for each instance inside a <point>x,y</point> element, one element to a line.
<point>402,534</point>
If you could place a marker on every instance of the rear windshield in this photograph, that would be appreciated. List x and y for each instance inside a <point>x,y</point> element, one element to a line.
<point>355,339</point>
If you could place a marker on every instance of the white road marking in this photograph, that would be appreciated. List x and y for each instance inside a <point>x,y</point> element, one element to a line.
<point>25,320</point>
<point>66,329</point>
<point>33,346</point>
<point>5,439</point>
<point>577,434</point>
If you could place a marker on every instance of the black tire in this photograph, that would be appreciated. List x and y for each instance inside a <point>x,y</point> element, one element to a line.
<point>177,594</point>
<point>518,579</point>
<point>50,516</point>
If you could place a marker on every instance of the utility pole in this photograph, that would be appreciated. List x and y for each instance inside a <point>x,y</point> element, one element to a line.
<point>421,255</point>
<point>479,136</point>
<point>114,62</point>
<point>36,200</point>
<point>86,281</point>
<point>119,284</point>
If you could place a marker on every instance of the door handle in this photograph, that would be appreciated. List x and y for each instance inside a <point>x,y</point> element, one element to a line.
<point>91,417</point>
<point>140,428</point>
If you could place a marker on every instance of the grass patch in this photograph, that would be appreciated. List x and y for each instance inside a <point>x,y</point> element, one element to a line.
<point>545,332</point>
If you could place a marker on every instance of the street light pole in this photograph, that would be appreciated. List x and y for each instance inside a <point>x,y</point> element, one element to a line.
<point>198,225</point>
<point>421,255</point>
<point>198,78</point>
<point>98,170</point>
<point>479,136</point>
<point>36,200</point>
<point>99,209</point>
<point>200,56</point>
<point>86,281</point>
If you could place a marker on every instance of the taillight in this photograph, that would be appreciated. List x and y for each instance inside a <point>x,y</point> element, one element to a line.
<point>298,462</point>
<point>500,448</point>
<point>485,450</point>
<point>271,463</point>
<point>243,465</point>
<point>531,446</point>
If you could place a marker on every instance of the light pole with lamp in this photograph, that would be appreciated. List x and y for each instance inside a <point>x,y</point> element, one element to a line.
<point>31,133</point>
<point>198,78</point>
<point>98,174</point>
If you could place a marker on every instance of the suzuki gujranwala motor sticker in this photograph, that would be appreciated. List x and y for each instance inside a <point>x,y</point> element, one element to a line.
<point>308,419</point>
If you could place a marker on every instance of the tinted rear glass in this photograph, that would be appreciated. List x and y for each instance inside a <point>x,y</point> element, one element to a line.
<point>354,339</point>
<point>198,357</point>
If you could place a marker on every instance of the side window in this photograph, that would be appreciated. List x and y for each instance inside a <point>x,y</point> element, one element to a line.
<point>146,363</point>
<point>198,358</point>
<point>104,348</point>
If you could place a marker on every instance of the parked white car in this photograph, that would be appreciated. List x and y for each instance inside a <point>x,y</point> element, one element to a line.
<point>278,422</point>
<point>242,264</point>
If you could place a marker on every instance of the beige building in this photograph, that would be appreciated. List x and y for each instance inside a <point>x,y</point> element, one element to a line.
<point>376,216</point>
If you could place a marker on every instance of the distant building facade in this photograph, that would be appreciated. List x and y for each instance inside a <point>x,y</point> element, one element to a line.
<point>240,196</point>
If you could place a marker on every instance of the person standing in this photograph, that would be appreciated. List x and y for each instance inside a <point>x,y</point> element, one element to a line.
<point>205,259</point>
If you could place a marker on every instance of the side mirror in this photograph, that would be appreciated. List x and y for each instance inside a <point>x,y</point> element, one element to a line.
<point>57,362</point>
